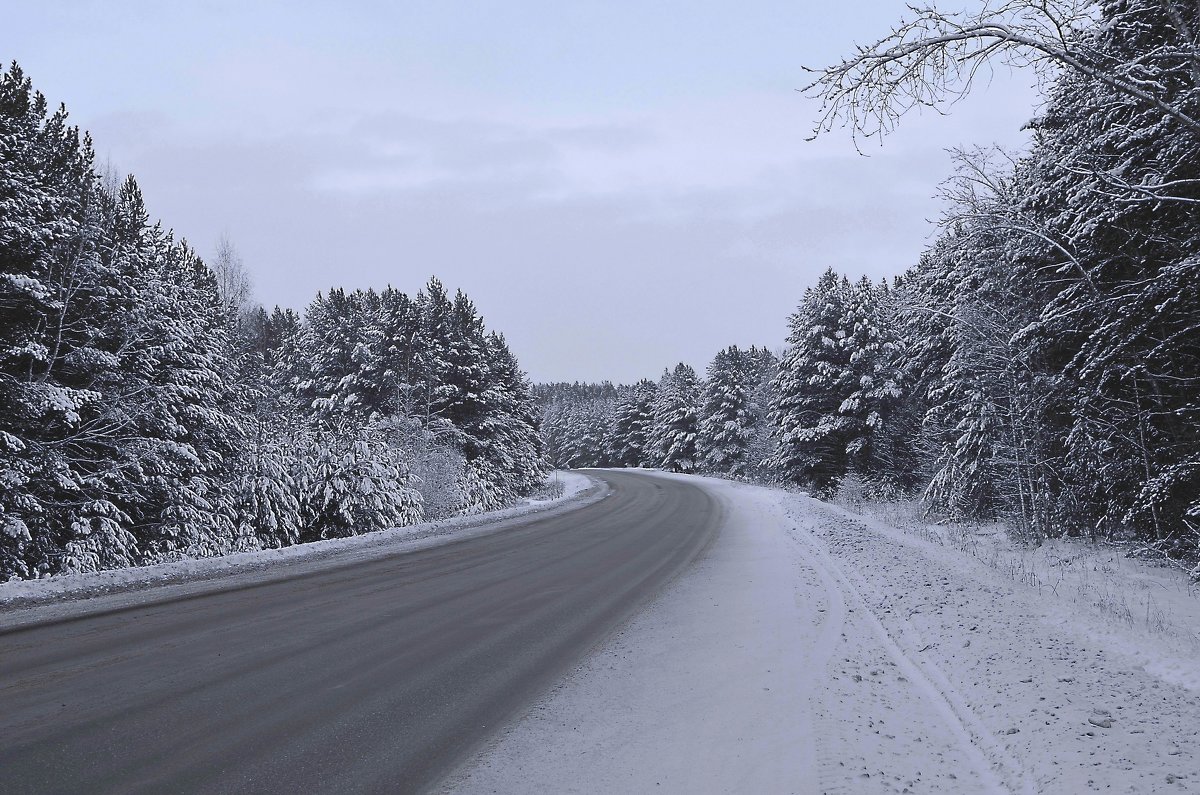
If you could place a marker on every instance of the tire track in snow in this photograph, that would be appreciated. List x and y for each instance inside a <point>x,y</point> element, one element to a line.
<point>997,768</point>
<point>831,620</point>
<point>820,598</point>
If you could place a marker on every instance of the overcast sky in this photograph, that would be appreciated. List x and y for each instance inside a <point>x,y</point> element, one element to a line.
<point>618,186</point>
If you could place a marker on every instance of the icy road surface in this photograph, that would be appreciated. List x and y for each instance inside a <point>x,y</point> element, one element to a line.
<point>810,651</point>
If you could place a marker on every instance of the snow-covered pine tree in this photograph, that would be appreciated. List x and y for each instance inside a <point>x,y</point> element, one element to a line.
<point>437,330</point>
<point>53,357</point>
<point>590,424</point>
<point>337,354</point>
<point>465,379</point>
<point>577,423</point>
<point>174,393</point>
<point>400,378</point>
<point>815,379</point>
<point>676,420</point>
<point>764,436</point>
<point>1117,178</point>
<point>514,443</point>
<point>633,423</point>
<point>990,407</point>
<point>552,423</point>
<point>727,420</point>
<point>880,433</point>
<point>264,495</point>
<point>895,463</point>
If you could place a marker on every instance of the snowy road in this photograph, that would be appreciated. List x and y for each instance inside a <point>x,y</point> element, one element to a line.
<point>375,676</point>
<point>802,650</point>
<point>811,651</point>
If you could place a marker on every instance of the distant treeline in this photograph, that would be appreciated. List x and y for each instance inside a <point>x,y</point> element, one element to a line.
<point>679,422</point>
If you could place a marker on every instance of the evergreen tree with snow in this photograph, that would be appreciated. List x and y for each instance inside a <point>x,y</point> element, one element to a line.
<point>676,420</point>
<point>760,447</point>
<point>337,355</point>
<point>815,379</point>
<point>629,441</point>
<point>513,444</point>
<point>55,357</point>
<point>727,419</point>
<point>352,482</point>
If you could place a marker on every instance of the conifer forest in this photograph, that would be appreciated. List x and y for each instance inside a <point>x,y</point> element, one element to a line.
<point>1039,364</point>
<point>149,411</point>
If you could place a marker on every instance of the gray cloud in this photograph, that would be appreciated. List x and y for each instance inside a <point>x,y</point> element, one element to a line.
<point>606,249</point>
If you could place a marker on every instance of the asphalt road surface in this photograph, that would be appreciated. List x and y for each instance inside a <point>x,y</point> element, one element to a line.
<point>377,677</point>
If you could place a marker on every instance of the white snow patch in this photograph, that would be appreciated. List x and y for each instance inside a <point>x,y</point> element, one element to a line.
<point>1147,611</point>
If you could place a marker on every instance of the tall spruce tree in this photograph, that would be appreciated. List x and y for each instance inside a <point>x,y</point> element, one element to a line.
<point>815,379</point>
<point>629,442</point>
<point>727,419</point>
<point>676,420</point>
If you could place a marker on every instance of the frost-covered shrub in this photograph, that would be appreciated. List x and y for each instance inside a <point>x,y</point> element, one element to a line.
<point>437,474</point>
<point>435,466</point>
<point>480,492</point>
<point>264,498</point>
<point>99,539</point>
<point>356,483</point>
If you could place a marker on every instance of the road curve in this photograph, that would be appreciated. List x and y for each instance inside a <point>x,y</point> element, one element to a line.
<point>377,678</point>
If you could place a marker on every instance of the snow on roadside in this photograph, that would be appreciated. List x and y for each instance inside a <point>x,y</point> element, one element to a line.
<point>1149,611</point>
<point>812,650</point>
<point>24,601</point>
<point>1054,686</point>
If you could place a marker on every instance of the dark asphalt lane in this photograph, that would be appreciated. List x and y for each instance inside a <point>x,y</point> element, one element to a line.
<point>373,678</point>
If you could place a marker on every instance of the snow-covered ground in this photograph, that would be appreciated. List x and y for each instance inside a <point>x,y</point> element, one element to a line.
<point>27,601</point>
<point>814,650</point>
<point>1148,609</point>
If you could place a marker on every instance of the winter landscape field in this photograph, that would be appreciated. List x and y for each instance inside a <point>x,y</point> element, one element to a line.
<point>834,426</point>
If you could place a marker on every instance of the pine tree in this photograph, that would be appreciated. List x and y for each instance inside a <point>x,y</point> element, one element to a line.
<point>512,401</point>
<point>1117,179</point>
<point>629,442</point>
<point>400,378</point>
<point>53,219</point>
<point>337,353</point>
<point>676,420</point>
<point>354,483</point>
<point>815,379</point>
<point>764,433</point>
<point>727,420</point>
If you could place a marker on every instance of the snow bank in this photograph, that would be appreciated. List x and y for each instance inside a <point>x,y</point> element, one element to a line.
<point>1148,611</point>
<point>30,601</point>
<point>1062,697</point>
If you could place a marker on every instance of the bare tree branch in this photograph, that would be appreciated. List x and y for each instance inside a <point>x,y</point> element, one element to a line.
<point>933,60</point>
